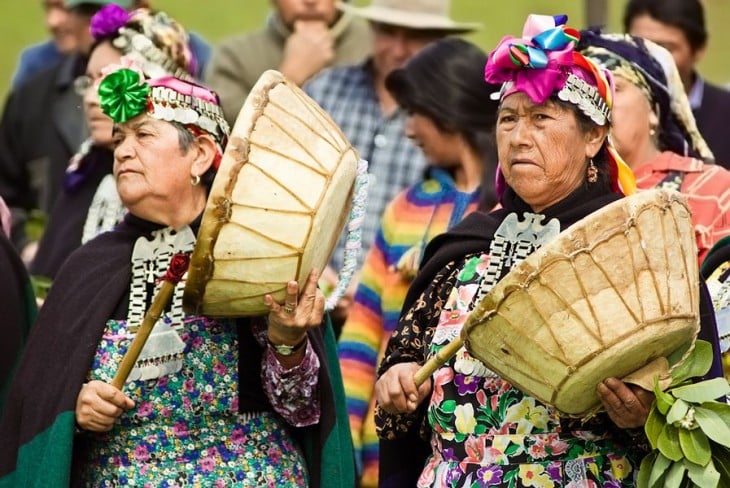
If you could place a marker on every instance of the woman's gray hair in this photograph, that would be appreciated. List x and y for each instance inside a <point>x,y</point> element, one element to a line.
<point>186,138</point>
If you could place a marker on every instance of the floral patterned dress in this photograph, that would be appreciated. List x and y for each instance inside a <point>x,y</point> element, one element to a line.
<point>483,431</point>
<point>185,429</point>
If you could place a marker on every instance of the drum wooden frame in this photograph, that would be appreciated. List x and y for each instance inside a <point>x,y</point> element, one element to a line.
<point>614,292</point>
<point>277,206</point>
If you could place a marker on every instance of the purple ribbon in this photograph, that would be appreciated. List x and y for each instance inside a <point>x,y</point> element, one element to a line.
<point>108,20</point>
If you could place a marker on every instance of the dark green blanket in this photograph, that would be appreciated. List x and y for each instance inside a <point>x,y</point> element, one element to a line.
<point>37,430</point>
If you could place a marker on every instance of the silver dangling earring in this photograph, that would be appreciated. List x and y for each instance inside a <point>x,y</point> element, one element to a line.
<point>592,172</point>
<point>195,180</point>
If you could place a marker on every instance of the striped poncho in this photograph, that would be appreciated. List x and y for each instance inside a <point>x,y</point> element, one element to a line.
<point>412,219</point>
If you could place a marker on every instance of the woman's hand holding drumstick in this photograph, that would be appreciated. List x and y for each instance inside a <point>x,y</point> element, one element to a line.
<point>99,404</point>
<point>404,386</point>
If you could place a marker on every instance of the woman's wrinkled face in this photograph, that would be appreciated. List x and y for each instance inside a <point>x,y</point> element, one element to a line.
<point>543,150</point>
<point>99,124</point>
<point>632,121</point>
<point>440,147</point>
<point>151,169</point>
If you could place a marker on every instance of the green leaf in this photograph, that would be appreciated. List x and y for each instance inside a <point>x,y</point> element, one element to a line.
<point>675,475</point>
<point>664,401</point>
<point>703,476</point>
<point>678,411</point>
<point>696,365</point>
<point>713,425</point>
<point>659,470</point>
<point>654,425</point>
<point>695,446</point>
<point>645,469</point>
<point>720,408</point>
<point>704,391</point>
<point>668,443</point>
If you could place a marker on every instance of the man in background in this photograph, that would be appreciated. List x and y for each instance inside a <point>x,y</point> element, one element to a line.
<point>356,98</point>
<point>300,38</point>
<point>64,41</point>
<point>679,26</point>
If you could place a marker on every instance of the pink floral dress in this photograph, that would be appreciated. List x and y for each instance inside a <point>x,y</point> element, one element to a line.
<point>487,433</point>
<point>185,429</point>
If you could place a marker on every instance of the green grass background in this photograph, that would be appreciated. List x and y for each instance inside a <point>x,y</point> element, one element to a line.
<point>21,23</point>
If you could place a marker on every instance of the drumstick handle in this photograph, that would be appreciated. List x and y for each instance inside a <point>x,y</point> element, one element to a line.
<point>438,360</point>
<point>175,271</point>
<point>159,302</point>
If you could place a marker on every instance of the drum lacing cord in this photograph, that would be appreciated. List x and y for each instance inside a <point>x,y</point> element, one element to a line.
<point>353,242</point>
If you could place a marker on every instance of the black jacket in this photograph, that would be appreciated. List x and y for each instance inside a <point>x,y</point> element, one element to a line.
<point>712,122</point>
<point>42,126</point>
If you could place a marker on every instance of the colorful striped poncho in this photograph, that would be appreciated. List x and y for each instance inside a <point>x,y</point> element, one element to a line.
<point>412,219</point>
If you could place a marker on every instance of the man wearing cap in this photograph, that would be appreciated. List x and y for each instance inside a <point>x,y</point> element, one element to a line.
<point>356,98</point>
<point>42,126</point>
<point>65,40</point>
<point>300,38</point>
<point>39,56</point>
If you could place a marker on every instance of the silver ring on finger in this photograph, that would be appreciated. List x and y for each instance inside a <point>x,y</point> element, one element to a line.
<point>288,309</point>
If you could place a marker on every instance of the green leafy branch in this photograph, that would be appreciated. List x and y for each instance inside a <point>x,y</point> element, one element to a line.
<point>689,431</point>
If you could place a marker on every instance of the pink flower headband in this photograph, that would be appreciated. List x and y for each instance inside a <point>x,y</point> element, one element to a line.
<point>542,63</point>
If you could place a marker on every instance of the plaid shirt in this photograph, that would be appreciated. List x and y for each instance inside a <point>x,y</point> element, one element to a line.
<point>348,95</point>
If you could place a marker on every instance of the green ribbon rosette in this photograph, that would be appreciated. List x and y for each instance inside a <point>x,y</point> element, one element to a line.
<point>123,95</point>
<point>688,429</point>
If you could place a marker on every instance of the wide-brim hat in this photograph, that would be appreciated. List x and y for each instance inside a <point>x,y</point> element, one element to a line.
<point>412,14</point>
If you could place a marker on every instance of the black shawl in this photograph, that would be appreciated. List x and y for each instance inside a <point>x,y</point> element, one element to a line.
<point>37,429</point>
<point>402,460</point>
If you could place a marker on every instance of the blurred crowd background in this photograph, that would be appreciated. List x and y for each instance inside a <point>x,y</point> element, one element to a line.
<point>22,24</point>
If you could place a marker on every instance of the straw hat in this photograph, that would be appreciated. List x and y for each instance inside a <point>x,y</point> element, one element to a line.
<point>412,14</point>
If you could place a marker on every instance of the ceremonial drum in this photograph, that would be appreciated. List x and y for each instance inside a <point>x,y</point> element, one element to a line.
<point>277,206</point>
<point>614,292</point>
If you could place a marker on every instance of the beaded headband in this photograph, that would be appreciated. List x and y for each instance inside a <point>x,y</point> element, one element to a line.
<point>187,108</point>
<point>124,95</point>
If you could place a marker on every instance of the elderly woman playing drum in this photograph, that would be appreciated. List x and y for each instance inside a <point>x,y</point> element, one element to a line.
<point>556,167</point>
<point>451,117</point>
<point>209,402</point>
<point>655,131</point>
<point>88,203</point>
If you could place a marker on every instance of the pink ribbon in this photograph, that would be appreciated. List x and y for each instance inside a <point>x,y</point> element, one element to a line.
<point>538,62</point>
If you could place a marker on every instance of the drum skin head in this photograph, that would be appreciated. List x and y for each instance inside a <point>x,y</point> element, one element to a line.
<point>278,204</point>
<point>612,293</point>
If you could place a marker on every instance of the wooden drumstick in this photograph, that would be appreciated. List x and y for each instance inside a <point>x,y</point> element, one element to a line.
<point>178,266</point>
<point>438,360</point>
